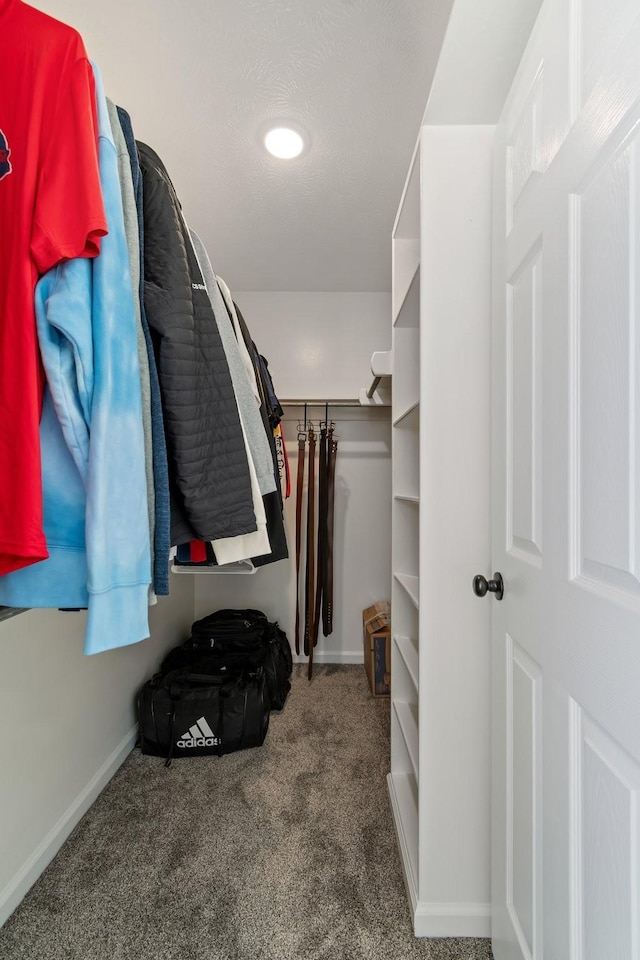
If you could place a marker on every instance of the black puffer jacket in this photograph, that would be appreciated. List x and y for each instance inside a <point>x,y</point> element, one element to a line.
<point>208,469</point>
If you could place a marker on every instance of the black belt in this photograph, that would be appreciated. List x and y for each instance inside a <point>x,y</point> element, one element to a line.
<point>310,567</point>
<point>299,486</point>
<point>327,579</point>
<point>322,528</point>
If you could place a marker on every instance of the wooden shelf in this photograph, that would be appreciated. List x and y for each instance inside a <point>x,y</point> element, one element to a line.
<point>410,586</point>
<point>409,655</point>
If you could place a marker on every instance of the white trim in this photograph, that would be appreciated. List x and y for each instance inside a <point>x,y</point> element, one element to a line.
<point>410,881</point>
<point>436,919</point>
<point>330,656</point>
<point>452,920</point>
<point>19,886</point>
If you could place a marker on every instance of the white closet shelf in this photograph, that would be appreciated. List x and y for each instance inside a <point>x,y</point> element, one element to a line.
<point>242,568</point>
<point>409,655</point>
<point>382,363</point>
<point>411,587</point>
<point>415,405</point>
<point>406,497</point>
<point>380,398</point>
<point>409,729</point>
<point>408,313</point>
<point>411,277</point>
<point>379,392</point>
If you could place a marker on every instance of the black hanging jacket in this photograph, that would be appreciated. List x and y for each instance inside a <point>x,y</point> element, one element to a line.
<point>208,470</point>
<point>272,501</point>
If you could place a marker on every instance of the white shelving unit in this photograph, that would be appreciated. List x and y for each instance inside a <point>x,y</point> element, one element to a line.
<point>439,779</point>
<point>404,778</point>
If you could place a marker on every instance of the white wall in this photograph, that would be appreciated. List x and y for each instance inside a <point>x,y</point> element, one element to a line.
<point>68,722</point>
<point>319,345</point>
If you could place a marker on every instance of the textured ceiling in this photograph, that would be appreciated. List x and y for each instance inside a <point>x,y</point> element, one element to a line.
<point>204,79</point>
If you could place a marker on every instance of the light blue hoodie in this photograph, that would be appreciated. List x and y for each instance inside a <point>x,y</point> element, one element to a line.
<point>91,434</point>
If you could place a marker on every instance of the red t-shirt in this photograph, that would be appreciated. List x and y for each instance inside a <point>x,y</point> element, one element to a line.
<point>50,210</point>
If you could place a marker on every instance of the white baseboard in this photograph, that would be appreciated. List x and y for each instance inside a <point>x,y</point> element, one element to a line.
<point>452,920</point>
<point>435,919</point>
<point>19,886</point>
<point>327,656</point>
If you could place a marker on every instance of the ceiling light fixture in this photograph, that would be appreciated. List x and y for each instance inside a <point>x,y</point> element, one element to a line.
<point>284,143</point>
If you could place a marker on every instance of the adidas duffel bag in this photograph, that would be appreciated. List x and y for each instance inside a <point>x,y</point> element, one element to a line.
<point>234,638</point>
<point>188,714</point>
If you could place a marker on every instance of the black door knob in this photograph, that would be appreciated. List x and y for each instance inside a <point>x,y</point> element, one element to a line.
<point>482,586</point>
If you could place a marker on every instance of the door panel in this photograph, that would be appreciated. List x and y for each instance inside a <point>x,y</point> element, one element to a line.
<point>606,429</point>
<point>524,793</point>
<point>566,500</point>
<point>608,782</point>
<point>524,409</point>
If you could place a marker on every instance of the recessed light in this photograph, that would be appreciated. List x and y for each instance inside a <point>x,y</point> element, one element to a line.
<point>284,143</point>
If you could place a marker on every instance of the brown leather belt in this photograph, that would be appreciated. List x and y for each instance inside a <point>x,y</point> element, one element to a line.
<point>310,568</point>
<point>299,486</point>
<point>327,578</point>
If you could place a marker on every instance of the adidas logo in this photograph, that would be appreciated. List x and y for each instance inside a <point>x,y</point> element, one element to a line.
<point>199,735</point>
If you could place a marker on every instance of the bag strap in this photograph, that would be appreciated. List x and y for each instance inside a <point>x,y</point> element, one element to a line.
<point>302,438</point>
<point>172,730</point>
<point>220,728</point>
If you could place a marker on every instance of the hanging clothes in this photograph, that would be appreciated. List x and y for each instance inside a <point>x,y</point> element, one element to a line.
<point>247,401</point>
<point>208,468</point>
<point>51,209</point>
<point>133,246</point>
<point>162,524</point>
<point>273,503</point>
<point>95,493</point>
<point>234,549</point>
<point>274,546</point>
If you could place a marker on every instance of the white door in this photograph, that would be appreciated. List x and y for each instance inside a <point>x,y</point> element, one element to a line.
<point>566,491</point>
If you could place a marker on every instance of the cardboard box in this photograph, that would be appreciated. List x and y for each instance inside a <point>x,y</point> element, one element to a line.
<point>376,624</point>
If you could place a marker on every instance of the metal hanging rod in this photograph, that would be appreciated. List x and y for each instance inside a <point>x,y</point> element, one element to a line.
<point>320,403</point>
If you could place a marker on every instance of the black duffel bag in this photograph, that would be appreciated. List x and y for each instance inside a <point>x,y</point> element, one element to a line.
<point>189,714</point>
<point>235,638</point>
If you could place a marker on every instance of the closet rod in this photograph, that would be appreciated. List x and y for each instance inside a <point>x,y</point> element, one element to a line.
<point>320,403</point>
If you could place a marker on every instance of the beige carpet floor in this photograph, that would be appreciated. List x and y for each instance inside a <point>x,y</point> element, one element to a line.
<point>285,852</point>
